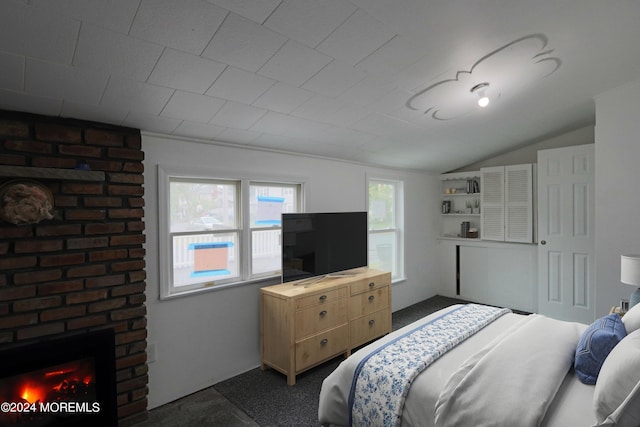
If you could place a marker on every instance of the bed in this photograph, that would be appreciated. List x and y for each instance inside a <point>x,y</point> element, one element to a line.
<point>510,370</point>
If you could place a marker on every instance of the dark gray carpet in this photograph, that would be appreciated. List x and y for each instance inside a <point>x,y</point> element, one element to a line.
<point>267,399</point>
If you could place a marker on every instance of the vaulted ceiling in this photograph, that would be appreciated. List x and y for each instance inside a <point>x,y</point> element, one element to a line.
<point>385,82</point>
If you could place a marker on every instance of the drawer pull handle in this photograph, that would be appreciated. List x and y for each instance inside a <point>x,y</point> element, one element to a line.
<point>324,342</point>
<point>372,284</point>
<point>323,313</point>
<point>371,322</point>
<point>323,297</point>
<point>371,297</point>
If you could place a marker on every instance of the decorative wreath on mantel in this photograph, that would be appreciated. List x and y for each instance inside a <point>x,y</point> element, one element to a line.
<point>25,202</point>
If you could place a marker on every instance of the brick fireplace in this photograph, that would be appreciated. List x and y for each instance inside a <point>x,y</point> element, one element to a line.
<point>82,270</point>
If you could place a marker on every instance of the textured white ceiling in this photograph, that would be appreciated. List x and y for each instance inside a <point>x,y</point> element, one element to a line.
<point>323,77</point>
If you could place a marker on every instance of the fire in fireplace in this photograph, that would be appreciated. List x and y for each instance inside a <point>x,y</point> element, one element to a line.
<point>63,382</point>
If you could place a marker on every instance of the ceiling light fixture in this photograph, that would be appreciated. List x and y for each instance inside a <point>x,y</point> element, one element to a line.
<point>480,88</point>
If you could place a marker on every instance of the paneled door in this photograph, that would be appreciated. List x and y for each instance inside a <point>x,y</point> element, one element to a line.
<point>566,270</point>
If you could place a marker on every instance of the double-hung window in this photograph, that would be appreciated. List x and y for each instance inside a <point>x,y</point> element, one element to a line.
<point>386,237</point>
<point>267,201</point>
<point>220,232</point>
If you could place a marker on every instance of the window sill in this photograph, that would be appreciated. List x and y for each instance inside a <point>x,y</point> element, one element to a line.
<point>398,280</point>
<point>264,281</point>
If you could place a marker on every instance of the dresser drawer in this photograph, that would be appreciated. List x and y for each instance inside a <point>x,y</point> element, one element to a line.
<point>321,298</point>
<point>371,283</point>
<point>368,302</point>
<point>322,346</point>
<point>314,319</point>
<point>370,327</point>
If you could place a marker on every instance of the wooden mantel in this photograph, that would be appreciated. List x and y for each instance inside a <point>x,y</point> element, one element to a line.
<point>50,173</point>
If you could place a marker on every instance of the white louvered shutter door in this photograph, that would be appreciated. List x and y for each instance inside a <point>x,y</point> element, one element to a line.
<point>492,206</point>
<point>518,203</point>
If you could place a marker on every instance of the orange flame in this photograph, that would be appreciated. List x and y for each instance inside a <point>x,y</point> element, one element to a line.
<point>32,393</point>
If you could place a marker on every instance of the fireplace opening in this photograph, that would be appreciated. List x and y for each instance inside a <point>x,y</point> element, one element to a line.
<point>65,382</point>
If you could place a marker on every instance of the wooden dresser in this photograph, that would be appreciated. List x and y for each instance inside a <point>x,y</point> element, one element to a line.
<point>302,325</point>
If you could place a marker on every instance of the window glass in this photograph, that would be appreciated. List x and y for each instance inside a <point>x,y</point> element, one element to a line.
<point>385,226</point>
<point>202,205</point>
<point>266,257</point>
<point>382,251</point>
<point>204,258</point>
<point>381,205</point>
<point>269,201</point>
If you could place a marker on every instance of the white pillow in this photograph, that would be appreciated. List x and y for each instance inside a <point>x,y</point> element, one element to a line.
<point>631,319</point>
<point>616,397</point>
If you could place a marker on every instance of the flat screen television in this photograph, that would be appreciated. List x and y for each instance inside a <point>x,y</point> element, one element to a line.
<point>318,244</point>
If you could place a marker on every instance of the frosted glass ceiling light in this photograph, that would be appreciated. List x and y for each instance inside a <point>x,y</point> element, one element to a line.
<point>479,89</point>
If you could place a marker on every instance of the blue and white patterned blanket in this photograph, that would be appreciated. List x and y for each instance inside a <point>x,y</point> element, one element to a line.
<point>382,379</point>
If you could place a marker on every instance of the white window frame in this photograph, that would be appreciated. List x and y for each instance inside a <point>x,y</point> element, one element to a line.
<point>398,268</point>
<point>244,230</point>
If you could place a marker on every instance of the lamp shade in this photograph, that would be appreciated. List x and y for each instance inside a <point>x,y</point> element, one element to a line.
<point>630,269</point>
<point>630,274</point>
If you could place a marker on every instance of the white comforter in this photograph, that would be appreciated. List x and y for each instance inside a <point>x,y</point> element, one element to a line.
<point>513,380</point>
<point>566,400</point>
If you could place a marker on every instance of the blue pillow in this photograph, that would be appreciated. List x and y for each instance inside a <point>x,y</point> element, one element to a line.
<point>595,344</point>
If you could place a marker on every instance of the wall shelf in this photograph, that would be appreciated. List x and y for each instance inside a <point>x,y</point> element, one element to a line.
<point>50,173</point>
<point>455,204</point>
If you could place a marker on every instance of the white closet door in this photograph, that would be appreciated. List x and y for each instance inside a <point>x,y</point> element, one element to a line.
<point>566,267</point>
<point>519,203</point>
<point>492,210</point>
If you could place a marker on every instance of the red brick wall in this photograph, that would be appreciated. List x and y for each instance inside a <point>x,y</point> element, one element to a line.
<point>84,269</point>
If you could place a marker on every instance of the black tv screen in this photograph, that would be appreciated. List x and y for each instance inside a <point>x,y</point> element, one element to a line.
<point>316,244</point>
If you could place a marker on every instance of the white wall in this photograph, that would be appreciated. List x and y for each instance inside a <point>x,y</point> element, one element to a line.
<point>203,339</point>
<point>529,153</point>
<point>617,213</point>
